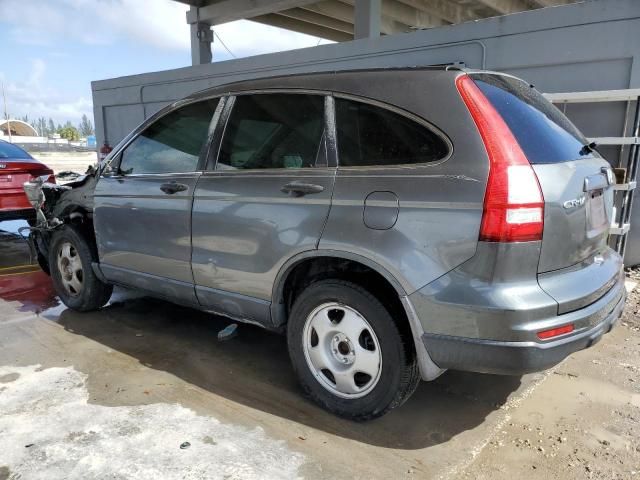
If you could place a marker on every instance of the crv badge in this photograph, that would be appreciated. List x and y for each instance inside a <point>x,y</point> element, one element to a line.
<point>3,165</point>
<point>576,202</point>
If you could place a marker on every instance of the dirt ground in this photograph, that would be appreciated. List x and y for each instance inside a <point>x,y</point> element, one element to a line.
<point>119,393</point>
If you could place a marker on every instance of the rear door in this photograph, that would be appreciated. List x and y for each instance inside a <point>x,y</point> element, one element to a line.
<point>266,199</point>
<point>142,211</point>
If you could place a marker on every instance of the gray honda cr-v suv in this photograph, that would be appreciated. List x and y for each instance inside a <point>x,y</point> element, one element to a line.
<point>395,223</point>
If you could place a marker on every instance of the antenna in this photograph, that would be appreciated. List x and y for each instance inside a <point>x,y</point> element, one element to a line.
<point>6,115</point>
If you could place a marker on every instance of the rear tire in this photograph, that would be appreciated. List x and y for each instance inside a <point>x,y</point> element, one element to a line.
<point>70,258</point>
<point>348,353</point>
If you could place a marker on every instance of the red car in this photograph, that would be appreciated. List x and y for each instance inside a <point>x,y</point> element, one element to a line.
<point>17,167</point>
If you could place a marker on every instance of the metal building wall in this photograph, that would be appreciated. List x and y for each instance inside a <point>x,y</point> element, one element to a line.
<point>593,45</point>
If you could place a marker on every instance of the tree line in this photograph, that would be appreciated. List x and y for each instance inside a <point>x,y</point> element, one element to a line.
<point>47,127</point>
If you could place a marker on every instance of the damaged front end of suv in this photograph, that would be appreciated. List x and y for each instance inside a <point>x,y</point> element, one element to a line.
<point>57,205</point>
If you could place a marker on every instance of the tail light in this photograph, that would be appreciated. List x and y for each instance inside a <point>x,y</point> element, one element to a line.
<point>39,173</point>
<point>513,203</point>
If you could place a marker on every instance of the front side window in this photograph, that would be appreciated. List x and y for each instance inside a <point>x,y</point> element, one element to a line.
<point>373,136</point>
<point>173,143</point>
<point>273,131</point>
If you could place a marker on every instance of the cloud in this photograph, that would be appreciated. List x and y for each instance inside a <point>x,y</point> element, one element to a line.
<point>159,23</point>
<point>34,98</point>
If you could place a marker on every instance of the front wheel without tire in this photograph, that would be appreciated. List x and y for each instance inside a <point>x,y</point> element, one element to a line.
<point>70,258</point>
<point>350,356</point>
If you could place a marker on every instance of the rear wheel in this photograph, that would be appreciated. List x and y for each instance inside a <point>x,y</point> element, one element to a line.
<point>349,354</point>
<point>70,258</point>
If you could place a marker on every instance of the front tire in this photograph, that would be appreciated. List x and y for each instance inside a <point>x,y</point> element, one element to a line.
<point>349,354</point>
<point>70,258</point>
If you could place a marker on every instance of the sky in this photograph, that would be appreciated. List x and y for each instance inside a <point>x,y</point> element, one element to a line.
<point>51,50</point>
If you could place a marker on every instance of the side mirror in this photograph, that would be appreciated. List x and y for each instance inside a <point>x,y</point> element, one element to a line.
<point>110,168</point>
<point>107,171</point>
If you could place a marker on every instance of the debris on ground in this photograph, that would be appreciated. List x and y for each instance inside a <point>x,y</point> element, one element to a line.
<point>68,175</point>
<point>228,332</point>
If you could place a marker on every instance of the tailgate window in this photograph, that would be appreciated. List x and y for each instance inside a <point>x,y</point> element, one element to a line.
<point>544,133</point>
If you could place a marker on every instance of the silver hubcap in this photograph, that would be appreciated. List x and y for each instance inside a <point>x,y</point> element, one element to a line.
<point>342,350</point>
<point>70,268</point>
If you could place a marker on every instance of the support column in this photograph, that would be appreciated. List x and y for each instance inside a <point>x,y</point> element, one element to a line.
<point>201,38</point>
<point>367,18</point>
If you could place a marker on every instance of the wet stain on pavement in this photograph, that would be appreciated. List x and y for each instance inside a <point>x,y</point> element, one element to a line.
<point>32,288</point>
<point>21,280</point>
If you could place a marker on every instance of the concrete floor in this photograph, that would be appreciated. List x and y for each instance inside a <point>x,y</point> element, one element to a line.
<point>114,393</point>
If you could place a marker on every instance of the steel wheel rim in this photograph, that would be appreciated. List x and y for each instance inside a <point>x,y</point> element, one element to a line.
<point>342,350</point>
<point>70,268</point>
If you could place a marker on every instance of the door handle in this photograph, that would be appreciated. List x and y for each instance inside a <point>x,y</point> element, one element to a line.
<point>298,189</point>
<point>173,187</point>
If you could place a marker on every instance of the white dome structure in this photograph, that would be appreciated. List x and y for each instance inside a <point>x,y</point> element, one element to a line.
<point>18,128</point>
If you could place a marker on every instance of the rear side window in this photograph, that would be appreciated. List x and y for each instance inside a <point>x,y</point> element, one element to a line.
<point>173,143</point>
<point>543,132</point>
<point>274,131</point>
<point>8,150</point>
<point>372,136</point>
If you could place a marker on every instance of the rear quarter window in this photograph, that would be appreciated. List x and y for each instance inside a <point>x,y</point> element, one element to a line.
<point>544,133</point>
<point>369,135</point>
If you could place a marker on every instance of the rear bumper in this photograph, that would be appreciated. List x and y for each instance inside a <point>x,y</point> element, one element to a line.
<point>515,357</point>
<point>13,199</point>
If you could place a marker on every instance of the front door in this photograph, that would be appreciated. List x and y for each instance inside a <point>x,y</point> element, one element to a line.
<point>265,200</point>
<point>142,210</point>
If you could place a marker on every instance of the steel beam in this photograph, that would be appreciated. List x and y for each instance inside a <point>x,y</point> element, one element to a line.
<point>367,18</point>
<point>277,20</point>
<point>505,7</point>
<point>399,11</point>
<point>319,19</point>
<point>230,10</point>
<point>344,12</point>
<point>201,38</point>
<point>408,14</point>
<point>625,95</point>
<point>443,9</point>
<point>334,9</point>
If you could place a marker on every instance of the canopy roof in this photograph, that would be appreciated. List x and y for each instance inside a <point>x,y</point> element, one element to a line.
<point>335,19</point>
<point>18,128</point>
